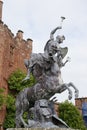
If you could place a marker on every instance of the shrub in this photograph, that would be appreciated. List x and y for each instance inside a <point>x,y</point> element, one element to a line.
<point>71,115</point>
<point>2,98</point>
<point>15,86</point>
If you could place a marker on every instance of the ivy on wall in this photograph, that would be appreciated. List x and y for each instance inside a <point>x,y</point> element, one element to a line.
<point>2,98</point>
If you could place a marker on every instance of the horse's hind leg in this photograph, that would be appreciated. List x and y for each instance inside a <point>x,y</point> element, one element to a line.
<point>18,120</point>
<point>21,107</point>
<point>76,90</point>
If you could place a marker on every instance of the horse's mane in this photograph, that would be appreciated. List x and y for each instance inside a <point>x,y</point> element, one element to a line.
<point>46,46</point>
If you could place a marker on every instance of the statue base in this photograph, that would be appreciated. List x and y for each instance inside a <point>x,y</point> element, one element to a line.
<point>40,129</point>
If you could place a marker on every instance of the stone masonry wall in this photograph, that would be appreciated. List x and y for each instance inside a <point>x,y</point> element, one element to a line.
<point>13,51</point>
<point>79,102</point>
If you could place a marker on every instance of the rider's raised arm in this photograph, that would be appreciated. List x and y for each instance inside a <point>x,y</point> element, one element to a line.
<point>53,31</point>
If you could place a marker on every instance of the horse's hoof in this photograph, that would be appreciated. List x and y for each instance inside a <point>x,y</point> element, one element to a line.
<point>70,97</point>
<point>76,94</point>
<point>26,126</point>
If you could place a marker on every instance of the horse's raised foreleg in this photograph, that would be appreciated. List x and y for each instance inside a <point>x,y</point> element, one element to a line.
<point>76,90</point>
<point>64,87</point>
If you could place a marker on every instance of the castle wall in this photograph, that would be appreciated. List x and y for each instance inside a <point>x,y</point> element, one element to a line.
<point>13,51</point>
<point>79,102</point>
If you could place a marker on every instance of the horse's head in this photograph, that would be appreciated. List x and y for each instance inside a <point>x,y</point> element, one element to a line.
<point>51,48</point>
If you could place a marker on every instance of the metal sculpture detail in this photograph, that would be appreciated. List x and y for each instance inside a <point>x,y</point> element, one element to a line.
<point>46,67</point>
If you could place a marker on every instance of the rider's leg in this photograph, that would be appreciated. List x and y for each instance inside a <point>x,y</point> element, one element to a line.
<point>27,64</point>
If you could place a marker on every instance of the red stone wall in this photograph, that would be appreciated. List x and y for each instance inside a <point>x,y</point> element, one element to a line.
<point>78,103</point>
<point>13,51</point>
<point>56,106</point>
<point>1,4</point>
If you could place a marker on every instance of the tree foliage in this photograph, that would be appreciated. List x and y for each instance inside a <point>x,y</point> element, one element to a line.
<point>15,81</point>
<point>15,86</point>
<point>10,114</point>
<point>71,115</point>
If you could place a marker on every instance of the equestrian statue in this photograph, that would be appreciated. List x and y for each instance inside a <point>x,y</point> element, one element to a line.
<point>46,68</point>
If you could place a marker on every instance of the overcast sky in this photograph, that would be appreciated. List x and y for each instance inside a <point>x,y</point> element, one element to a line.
<point>37,18</point>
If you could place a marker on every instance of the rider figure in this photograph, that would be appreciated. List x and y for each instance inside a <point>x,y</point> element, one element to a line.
<point>54,49</point>
<point>56,46</point>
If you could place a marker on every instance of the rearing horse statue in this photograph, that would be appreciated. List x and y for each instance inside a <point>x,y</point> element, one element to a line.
<point>46,67</point>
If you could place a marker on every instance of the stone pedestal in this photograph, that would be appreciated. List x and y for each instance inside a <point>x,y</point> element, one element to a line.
<point>40,129</point>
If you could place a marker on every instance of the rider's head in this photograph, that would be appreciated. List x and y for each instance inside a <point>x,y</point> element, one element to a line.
<point>60,39</point>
